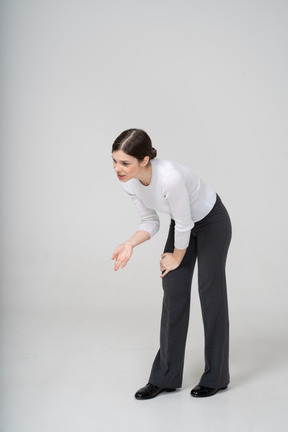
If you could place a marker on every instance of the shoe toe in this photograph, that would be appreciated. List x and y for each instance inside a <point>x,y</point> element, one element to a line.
<point>202,391</point>
<point>147,392</point>
<point>150,391</point>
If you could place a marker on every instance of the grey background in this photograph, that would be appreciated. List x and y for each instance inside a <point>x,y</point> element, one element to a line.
<point>208,81</point>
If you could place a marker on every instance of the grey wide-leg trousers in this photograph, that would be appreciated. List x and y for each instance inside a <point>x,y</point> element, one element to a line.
<point>209,243</point>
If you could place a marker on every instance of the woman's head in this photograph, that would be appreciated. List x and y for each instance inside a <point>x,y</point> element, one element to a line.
<point>136,143</point>
<point>131,153</point>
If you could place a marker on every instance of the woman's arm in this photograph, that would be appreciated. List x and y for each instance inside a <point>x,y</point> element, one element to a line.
<point>123,252</point>
<point>179,254</point>
<point>177,195</point>
<point>139,237</point>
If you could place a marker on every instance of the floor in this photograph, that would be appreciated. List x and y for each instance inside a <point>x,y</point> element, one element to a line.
<point>76,369</point>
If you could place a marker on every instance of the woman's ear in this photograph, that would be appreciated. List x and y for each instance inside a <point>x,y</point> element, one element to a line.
<point>145,161</point>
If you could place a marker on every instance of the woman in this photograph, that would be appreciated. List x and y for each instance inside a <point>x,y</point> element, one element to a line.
<point>200,228</point>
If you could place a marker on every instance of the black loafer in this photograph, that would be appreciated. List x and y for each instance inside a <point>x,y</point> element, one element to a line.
<point>201,391</point>
<point>150,391</point>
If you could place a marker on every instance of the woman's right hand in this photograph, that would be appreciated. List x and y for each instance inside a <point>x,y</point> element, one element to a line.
<point>122,254</point>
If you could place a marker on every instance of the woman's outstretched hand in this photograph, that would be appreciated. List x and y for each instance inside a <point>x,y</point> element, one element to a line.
<point>121,255</point>
<point>168,262</point>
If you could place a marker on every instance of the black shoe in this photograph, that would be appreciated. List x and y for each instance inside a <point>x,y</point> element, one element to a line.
<point>201,391</point>
<point>150,391</point>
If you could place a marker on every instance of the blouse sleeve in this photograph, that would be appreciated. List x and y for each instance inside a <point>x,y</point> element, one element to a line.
<point>149,219</point>
<point>176,193</point>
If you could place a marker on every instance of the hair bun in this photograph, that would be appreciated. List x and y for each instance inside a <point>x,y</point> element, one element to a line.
<point>153,153</point>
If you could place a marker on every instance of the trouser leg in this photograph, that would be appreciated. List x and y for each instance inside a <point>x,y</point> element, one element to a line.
<point>213,239</point>
<point>167,369</point>
<point>210,239</point>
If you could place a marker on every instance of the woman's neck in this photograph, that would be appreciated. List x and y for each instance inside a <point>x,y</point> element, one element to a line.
<point>146,175</point>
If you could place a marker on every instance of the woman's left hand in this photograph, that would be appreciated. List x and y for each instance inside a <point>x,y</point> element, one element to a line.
<point>168,262</point>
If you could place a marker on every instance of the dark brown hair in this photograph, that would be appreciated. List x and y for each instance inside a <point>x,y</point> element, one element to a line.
<point>136,143</point>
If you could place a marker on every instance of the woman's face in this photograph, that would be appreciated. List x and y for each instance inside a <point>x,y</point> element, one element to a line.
<point>126,166</point>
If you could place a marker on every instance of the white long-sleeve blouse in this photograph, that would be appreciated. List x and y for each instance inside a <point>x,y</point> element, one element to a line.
<point>176,191</point>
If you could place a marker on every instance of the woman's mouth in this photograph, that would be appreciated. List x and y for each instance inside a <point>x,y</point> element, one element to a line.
<point>120,176</point>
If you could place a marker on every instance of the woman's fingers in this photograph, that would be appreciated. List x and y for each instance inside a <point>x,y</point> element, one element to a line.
<point>115,254</point>
<point>163,268</point>
<point>168,263</point>
<point>120,262</point>
<point>165,273</point>
<point>122,254</point>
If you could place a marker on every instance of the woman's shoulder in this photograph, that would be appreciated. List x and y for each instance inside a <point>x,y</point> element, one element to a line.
<point>170,175</point>
<point>166,167</point>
